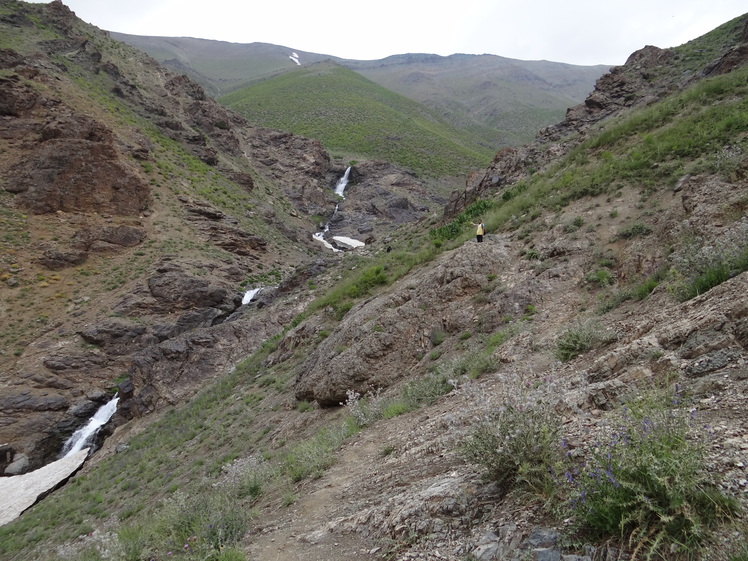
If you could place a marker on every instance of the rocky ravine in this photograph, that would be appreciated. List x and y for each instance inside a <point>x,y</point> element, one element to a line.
<point>85,206</point>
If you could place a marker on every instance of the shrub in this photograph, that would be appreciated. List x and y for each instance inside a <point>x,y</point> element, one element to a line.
<point>437,337</point>
<point>518,447</point>
<point>601,277</point>
<point>499,338</point>
<point>200,525</point>
<point>312,457</point>
<point>428,389</point>
<point>646,483</point>
<point>634,230</point>
<point>579,339</point>
<point>365,410</point>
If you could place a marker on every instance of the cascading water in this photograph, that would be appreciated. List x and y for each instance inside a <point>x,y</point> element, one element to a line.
<point>85,434</point>
<point>250,294</point>
<point>345,242</point>
<point>342,183</point>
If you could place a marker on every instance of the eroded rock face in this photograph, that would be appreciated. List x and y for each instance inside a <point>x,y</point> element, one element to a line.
<point>381,340</point>
<point>72,164</point>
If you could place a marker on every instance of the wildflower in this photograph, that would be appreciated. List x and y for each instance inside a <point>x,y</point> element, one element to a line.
<point>612,478</point>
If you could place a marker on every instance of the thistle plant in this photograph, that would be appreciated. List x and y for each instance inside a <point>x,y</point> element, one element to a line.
<point>518,444</point>
<point>365,409</point>
<point>646,482</point>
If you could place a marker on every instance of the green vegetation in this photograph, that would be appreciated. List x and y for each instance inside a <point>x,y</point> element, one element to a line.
<point>580,338</point>
<point>650,149</point>
<point>518,446</point>
<point>459,224</point>
<point>645,481</point>
<point>704,264</point>
<point>169,496</point>
<point>374,406</point>
<point>352,115</point>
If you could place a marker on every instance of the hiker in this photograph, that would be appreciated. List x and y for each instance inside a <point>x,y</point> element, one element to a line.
<point>480,231</point>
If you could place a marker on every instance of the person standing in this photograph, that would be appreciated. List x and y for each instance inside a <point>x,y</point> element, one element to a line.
<point>480,231</point>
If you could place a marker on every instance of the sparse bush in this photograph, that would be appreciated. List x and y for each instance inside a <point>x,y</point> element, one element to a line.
<point>437,337</point>
<point>518,446</point>
<point>600,277</point>
<point>367,409</point>
<point>701,266</point>
<point>395,409</point>
<point>304,406</point>
<point>198,526</point>
<point>581,338</point>
<point>646,482</point>
<point>428,389</point>
<point>634,230</point>
<point>312,457</point>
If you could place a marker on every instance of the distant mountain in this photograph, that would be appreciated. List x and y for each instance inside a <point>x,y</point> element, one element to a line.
<point>356,118</point>
<point>219,66</point>
<point>504,101</point>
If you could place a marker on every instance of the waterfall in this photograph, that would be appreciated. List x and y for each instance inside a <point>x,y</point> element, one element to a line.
<point>250,294</point>
<point>347,243</point>
<point>85,434</point>
<point>342,183</point>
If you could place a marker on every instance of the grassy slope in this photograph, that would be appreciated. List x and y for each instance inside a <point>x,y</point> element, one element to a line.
<point>353,116</point>
<point>502,101</point>
<point>507,101</point>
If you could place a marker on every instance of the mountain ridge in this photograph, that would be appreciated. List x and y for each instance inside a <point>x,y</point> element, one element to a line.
<point>465,95</point>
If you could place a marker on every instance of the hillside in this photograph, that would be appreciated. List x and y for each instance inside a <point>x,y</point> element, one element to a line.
<point>219,66</point>
<point>151,201</point>
<point>507,100</point>
<point>503,101</point>
<point>574,387</point>
<point>353,116</point>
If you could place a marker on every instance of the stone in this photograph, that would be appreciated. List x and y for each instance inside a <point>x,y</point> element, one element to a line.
<point>546,554</point>
<point>20,464</point>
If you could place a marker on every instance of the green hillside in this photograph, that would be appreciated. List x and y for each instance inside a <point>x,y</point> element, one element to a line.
<point>354,117</point>
<point>505,100</point>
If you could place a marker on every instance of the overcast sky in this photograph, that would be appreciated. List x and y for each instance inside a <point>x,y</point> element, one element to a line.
<point>574,31</point>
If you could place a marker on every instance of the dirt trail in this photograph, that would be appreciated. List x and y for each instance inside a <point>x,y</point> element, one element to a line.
<point>301,532</point>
